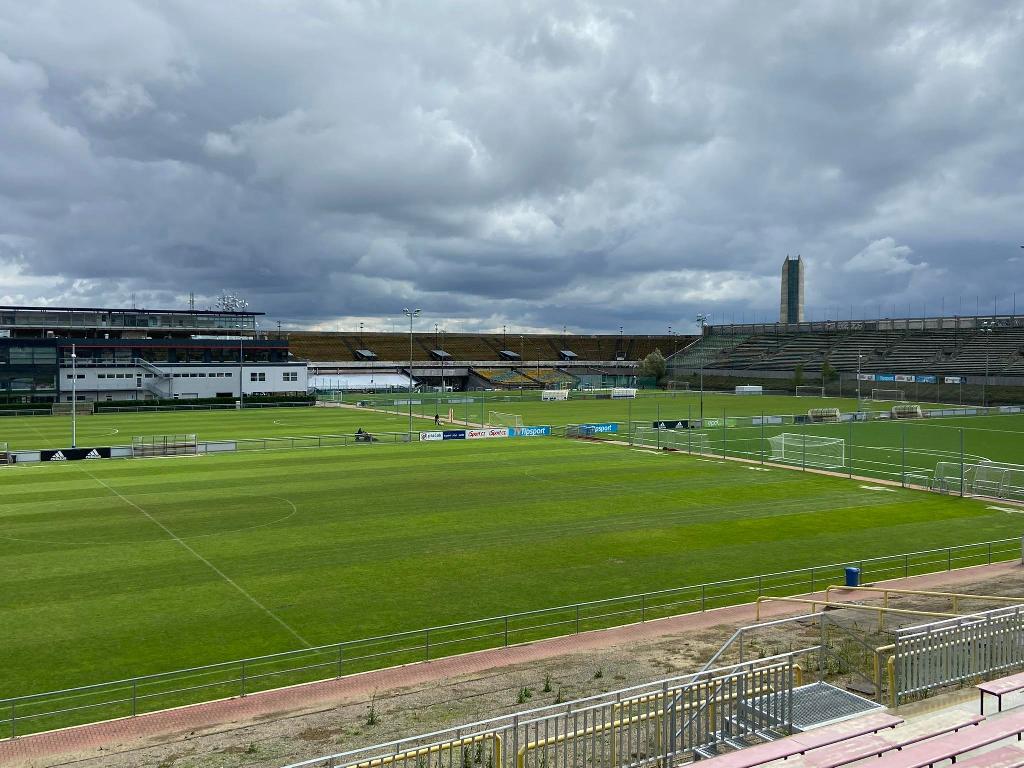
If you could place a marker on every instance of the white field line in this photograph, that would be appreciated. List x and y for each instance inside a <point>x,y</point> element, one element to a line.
<point>202,559</point>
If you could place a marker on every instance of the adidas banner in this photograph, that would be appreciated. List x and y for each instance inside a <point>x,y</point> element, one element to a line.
<point>74,454</point>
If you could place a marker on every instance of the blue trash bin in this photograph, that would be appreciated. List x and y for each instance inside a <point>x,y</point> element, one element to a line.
<point>853,577</point>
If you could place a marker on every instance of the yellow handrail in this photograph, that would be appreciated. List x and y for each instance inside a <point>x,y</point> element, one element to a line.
<point>434,748</point>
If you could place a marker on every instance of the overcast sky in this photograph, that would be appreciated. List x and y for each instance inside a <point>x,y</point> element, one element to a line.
<point>540,164</point>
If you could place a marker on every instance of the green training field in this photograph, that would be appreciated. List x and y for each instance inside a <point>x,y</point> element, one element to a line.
<point>119,568</point>
<point>101,429</point>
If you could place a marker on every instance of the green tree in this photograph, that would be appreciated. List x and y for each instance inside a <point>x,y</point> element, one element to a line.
<point>654,366</point>
<point>828,373</point>
<point>798,375</point>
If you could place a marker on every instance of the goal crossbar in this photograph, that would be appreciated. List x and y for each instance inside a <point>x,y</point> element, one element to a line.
<point>809,450</point>
<point>502,419</point>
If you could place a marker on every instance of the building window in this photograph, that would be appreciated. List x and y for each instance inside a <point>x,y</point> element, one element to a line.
<point>257,377</point>
<point>291,375</point>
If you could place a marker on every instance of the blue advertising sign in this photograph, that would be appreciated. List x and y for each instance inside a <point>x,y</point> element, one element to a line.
<point>453,434</point>
<point>925,379</point>
<point>885,377</point>
<point>529,431</point>
<point>599,428</point>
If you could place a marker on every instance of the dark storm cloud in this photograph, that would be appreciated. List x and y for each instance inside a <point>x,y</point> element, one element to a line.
<point>587,164</point>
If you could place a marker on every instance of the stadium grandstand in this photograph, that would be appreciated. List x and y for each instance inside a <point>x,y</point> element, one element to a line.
<point>943,351</point>
<point>476,361</point>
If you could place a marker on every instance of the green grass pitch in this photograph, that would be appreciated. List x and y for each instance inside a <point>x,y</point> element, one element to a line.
<point>120,568</point>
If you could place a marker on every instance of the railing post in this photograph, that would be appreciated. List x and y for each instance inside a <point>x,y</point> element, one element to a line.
<point>14,720</point>
<point>577,619</point>
<point>135,682</point>
<point>703,600</point>
<point>243,677</point>
<point>812,581</point>
<point>906,566</point>
<point>426,644</point>
<point>506,631</point>
<point>341,659</point>
<point>643,608</point>
<point>949,558</point>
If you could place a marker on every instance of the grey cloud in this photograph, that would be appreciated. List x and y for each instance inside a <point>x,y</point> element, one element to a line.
<point>587,164</point>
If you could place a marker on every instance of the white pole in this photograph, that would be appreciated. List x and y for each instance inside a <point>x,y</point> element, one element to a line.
<point>74,398</point>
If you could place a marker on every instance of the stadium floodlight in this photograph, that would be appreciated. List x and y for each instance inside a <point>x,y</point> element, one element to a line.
<point>702,320</point>
<point>411,314</point>
<point>986,329</point>
<point>74,398</point>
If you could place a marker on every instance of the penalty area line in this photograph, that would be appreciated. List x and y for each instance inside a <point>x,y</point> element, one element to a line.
<point>203,560</point>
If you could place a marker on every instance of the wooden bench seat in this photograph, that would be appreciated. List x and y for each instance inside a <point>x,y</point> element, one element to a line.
<point>999,688</point>
<point>1004,757</point>
<point>877,744</point>
<point>802,742</point>
<point>947,747</point>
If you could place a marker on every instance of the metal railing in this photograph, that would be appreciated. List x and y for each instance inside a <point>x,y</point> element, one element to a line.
<point>955,651</point>
<point>626,728</point>
<point>146,693</point>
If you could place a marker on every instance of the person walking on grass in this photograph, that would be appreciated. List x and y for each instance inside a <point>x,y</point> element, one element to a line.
<point>437,420</point>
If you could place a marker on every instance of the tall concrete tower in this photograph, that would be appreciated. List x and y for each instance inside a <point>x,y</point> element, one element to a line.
<point>791,308</point>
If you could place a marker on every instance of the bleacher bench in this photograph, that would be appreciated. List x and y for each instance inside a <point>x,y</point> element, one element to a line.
<point>949,747</point>
<point>876,745</point>
<point>1004,757</point>
<point>802,742</point>
<point>1000,688</point>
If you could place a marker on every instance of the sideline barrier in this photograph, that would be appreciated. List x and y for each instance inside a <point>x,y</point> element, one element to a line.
<point>147,693</point>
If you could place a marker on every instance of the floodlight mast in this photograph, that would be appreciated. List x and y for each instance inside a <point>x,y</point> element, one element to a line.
<point>230,302</point>
<point>411,314</point>
<point>702,321</point>
<point>74,398</point>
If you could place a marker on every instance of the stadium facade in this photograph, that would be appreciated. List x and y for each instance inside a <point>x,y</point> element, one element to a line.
<point>140,354</point>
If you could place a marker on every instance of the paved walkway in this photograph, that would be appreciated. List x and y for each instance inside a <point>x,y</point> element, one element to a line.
<point>127,733</point>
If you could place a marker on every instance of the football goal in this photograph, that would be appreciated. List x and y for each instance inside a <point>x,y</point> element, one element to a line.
<point>888,394</point>
<point>164,445</point>
<point>679,385</point>
<point>502,419</point>
<point>808,450</point>
<point>64,409</point>
<point>5,457</point>
<point>549,395</point>
<point>1002,481</point>
<point>805,390</point>
<point>687,440</point>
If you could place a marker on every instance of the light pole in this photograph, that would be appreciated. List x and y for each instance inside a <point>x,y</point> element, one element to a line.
<point>444,389</point>
<point>702,320</point>
<point>74,398</point>
<point>860,357</point>
<point>411,314</point>
<point>986,328</point>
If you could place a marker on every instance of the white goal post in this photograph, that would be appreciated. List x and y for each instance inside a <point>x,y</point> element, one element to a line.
<point>502,419</point>
<point>807,390</point>
<point>809,450</point>
<point>1002,481</point>
<point>888,394</point>
<point>688,440</point>
<point>554,394</point>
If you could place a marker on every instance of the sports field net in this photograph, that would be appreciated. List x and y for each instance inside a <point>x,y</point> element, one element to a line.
<point>1001,481</point>
<point>688,440</point>
<point>64,409</point>
<point>809,450</point>
<point>502,419</point>
<point>5,457</point>
<point>809,391</point>
<point>888,394</point>
<point>164,445</point>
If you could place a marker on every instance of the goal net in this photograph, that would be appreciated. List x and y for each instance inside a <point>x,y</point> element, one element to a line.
<point>687,440</point>
<point>907,412</point>
<point>680,385</point>
<point>888,394</point>
<point>502,419</point>
<point>809,450</point>
<point>1002,481</point>
<point>5,457</point>
<point>164,445</point>
<point>823,414</point>
<point>554,394</point>
<point>64,409</point>
<point>805,390</point>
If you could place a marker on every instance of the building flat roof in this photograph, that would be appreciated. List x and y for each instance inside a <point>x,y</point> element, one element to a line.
<point>134,311</point>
